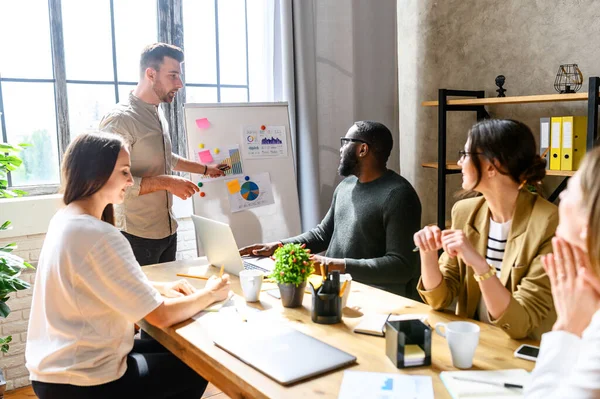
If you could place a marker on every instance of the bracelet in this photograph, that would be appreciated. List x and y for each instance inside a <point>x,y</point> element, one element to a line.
<point>205,169</point>
<point>485,276</point>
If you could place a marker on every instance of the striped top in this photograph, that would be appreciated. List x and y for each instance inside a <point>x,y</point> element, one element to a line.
<point>497,237</point>
<point>496,244</point>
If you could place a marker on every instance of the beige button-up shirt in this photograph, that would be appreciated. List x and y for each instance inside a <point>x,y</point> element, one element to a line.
<point>145,128</point>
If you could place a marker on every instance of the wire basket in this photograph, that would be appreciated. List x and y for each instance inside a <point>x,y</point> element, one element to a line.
<point>568,79</point>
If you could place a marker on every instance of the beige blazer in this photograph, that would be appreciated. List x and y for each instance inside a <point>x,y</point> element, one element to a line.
<point>531,310</point>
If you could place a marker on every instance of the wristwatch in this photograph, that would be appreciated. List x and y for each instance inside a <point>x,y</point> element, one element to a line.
<point>485,276</point>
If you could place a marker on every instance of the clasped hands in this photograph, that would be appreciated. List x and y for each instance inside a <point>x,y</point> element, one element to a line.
<point>430,239</point>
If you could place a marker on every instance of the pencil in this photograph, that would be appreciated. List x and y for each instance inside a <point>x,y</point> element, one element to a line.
<point>416,249</point>
<point>221,272</point>
<point>192,276</point>
<point>343,288</point>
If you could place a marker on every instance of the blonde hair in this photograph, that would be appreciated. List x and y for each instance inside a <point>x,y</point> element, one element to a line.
<point>590,188</point>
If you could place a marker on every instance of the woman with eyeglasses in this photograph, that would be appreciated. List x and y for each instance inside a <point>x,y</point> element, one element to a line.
<point>491,264</point>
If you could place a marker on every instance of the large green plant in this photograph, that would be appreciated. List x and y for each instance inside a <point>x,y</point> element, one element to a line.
<point>292,264</point>
<point>11,265</point>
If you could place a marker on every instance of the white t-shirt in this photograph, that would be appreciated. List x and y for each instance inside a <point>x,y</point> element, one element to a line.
<point>89,291</point>
<point>497,237</point>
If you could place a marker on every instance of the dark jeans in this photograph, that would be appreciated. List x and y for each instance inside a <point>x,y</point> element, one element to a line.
<point>148,251</point>
<point>152,372</point>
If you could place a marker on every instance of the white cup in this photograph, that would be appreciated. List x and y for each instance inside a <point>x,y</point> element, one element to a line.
<point>251,281</point>
<point>463,338</point>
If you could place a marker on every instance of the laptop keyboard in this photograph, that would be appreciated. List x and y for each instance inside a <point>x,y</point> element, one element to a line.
<point>250,266</point>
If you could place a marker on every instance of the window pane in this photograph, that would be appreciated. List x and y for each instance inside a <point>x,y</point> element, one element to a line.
<point>229,95</point>
<point>200,94</point>
<point>199,41</point>
<point>232,42</point>
<point>87,105</point>
<point>30,117</point>
<point>88,39</point>
<point>124,91</point>
<point>25,40</point>
<point>131,40</point>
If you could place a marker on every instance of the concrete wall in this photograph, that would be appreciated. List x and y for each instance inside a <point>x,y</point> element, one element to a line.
<point>465,44</point>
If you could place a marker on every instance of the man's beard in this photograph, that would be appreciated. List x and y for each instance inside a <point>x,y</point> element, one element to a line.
<point>348,164</point>
<point>162,94</point>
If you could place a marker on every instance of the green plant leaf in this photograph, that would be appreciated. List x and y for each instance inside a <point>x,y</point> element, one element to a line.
<point>5,225</point>
<point>9,247</point>
<point>4,310</point>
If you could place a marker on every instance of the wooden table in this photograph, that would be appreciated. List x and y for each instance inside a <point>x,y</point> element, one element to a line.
<point>191,340</point>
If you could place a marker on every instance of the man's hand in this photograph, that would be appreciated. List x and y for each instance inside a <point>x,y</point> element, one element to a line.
<point>329,264</point>
<point>181,187</point>
<point>260,249</point>
<point>216,170</point>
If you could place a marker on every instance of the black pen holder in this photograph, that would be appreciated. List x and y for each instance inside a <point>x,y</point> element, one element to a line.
<point>326,308</point>
<point>399,334</point>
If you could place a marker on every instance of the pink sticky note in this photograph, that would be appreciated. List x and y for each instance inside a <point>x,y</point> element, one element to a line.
<point>205,157</point>
<point>202,123</point>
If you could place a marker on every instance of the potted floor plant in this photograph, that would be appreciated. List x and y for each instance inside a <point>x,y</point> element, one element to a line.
<point>11,265</point>
<point>292,268</point>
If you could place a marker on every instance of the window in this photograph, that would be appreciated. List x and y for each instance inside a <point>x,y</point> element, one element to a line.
<point>73,60</point>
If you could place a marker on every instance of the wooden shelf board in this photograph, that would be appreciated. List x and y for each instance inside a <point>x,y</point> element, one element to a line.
<point>454,166</point>
<point>543,98</point>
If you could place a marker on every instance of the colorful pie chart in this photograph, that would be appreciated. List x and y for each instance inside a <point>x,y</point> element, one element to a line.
<point>249,191</point>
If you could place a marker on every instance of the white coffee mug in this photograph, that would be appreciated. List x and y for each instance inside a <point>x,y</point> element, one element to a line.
<point>251,281</point>
<point>463,338</point>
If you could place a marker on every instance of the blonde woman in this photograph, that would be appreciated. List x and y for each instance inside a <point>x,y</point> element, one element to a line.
<point>569,361</point>
<point>491,263</point>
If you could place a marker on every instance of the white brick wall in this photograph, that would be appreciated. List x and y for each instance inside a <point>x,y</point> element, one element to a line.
<point>13,362</point>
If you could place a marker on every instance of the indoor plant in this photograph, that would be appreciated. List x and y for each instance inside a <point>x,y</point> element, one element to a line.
<point>292,268</point>
<point>10,264</point>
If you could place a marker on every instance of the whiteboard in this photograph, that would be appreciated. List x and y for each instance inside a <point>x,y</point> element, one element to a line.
<point>223,127</point>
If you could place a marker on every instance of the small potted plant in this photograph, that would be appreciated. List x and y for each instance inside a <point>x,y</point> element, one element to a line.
<point>292,268</point>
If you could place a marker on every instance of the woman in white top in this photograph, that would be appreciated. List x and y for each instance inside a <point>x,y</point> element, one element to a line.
<point>569,362</point>
<point>491,263</point>
<point>89,291</point>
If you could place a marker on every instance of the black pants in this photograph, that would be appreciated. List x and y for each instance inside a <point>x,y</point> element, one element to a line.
<point>152,372</point>
<point>149,251</point>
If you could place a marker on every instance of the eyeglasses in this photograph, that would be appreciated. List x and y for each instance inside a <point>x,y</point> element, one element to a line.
<point>462,154</point>
<point>346,140</point>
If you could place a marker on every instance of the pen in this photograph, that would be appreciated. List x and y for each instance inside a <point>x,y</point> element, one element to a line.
<point>416,249</point>
<point>497,383</point>
<point>192,276</point>
<point>221,272</point>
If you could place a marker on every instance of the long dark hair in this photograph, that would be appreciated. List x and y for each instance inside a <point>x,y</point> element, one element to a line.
<point>511,144</point>
<point>87,165</point>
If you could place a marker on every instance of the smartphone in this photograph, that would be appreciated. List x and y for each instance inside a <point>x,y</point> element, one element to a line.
<point>527,352</point>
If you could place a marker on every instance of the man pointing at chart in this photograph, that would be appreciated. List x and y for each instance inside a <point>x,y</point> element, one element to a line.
<point>145,217</point>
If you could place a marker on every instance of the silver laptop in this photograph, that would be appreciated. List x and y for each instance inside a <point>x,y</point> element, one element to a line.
<point>282,353</point>
<point>220,248</point>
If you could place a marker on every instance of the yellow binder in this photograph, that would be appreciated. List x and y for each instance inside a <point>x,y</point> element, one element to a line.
<point>555,142</point>
<point>579,140</point>
<point>566,150</point>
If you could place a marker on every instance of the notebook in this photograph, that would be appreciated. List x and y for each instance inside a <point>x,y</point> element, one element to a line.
<point>459,389</point>
<point>374,323</point>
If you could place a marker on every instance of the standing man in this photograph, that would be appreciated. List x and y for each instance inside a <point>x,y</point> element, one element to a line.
<point>373,216</point>
<point>145,217</point>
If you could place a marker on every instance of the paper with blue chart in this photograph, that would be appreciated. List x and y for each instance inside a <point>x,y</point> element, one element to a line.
<point>251,191</point>
<point>264,141</point>
<point>362,384</point>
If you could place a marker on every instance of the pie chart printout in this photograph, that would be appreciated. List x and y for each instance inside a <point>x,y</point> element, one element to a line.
<point>250,191</point>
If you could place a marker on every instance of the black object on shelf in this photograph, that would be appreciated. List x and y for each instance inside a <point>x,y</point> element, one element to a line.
<point>400,334</point>
<point>500,79</point>
<point>568,79</point>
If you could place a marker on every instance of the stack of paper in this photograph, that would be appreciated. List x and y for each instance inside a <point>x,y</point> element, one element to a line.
<point>374,323</point>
